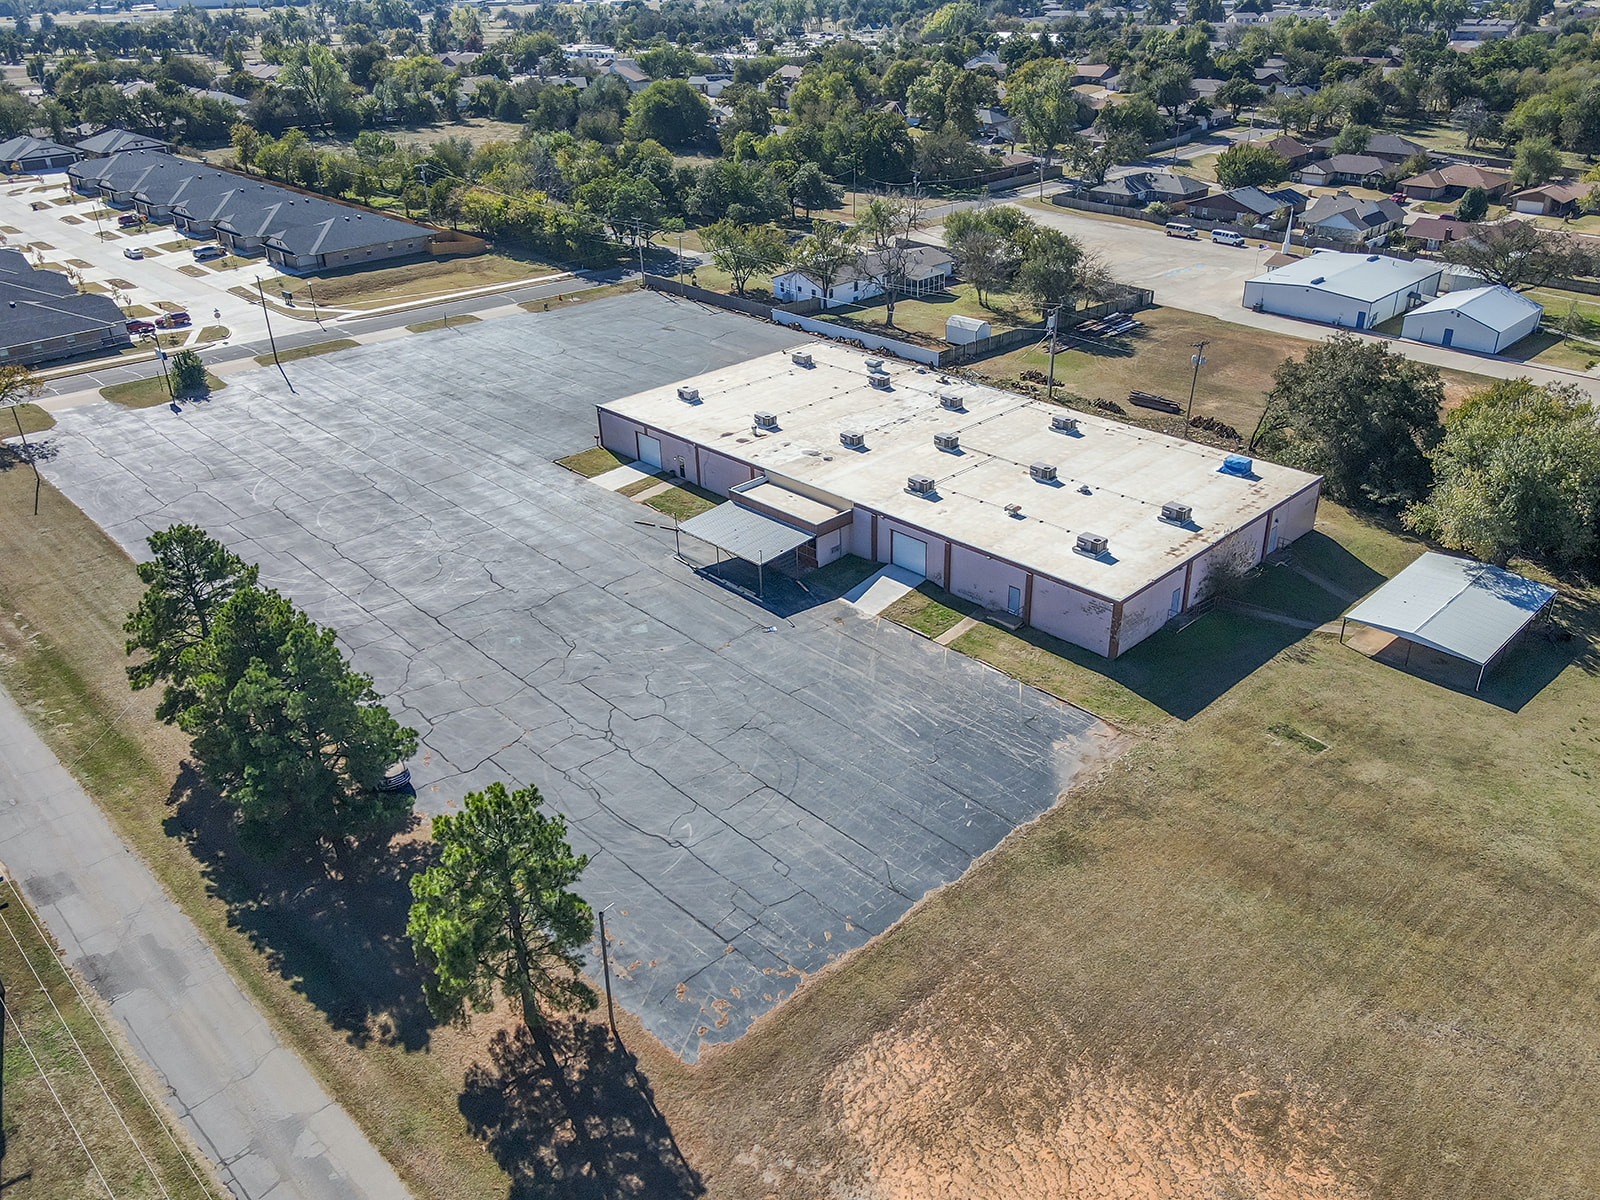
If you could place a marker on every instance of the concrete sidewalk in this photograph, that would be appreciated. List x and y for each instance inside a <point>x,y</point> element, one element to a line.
<point>249,1102</point>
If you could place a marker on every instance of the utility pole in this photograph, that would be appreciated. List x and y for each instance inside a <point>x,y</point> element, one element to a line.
<point>680,261</point>
<point>605,967</point>
<point>1199,360</point>
<point>1052,320</point>
<point>272,341</point>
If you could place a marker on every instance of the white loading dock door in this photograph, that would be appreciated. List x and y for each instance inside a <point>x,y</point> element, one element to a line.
<point>650,451</point>
<point>908,553</point>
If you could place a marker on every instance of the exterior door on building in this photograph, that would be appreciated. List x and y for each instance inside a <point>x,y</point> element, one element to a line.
<point>1449,336</point>
<point>1361,320</point>
<point>1177,602</point>
<point>1014,601</point>
<point>650,451</point>
<point>908,553</point>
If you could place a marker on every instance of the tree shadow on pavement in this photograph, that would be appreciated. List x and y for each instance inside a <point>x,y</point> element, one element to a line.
<point>341,942</point>
<point>590,1131</point>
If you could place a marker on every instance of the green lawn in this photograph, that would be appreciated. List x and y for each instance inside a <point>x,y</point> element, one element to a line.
<point>32,418</point>
<point>593,462</point>
<point>147,393</point>
<point>312,351</point>
<point>927,315</point>
<point>930,610</point>
<point>684,500</point>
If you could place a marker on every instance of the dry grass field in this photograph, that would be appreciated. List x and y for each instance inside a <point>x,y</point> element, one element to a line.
<point>1232,965</point>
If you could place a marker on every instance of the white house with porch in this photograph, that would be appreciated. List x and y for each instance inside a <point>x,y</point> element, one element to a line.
<point>927,270</point>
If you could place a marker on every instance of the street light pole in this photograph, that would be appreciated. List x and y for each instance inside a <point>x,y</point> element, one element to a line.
<point>1199,360</point>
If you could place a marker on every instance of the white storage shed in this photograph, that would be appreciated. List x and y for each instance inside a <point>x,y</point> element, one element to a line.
<point>1356,291</point>
<point>959,330</point>
<point>1485,319</point>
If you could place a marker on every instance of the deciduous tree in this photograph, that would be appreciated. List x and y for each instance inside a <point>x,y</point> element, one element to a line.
<point>744,251</point>
<point>1519,255</point>
<point>1359,416</point>
<point>1243,165</point>
<point>824,253</point>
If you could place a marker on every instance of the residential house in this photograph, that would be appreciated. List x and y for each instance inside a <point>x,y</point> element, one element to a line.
<point>927,270</point>
<point>1139,188</point>
<point>1098,74</point>
<point>1436,232</point>
<point>1344,218</point>
<point>1293,151</point>
<point>1363,170</point>
<point>987,59</point>
<point>996,125</point>
<point>29,155</point>
<point>119,141</point>
<point>710,86</point>
<point>47,318</point>
<point>1451,182</point>
<point>1559,199</point>
<point>458,58</point>
<point>1247,205</point>
<point>630,73</point>
<point>1390,147</point>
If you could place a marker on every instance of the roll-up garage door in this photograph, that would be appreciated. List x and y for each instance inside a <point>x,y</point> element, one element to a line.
<point>650,451</point>
<point>909,553</point>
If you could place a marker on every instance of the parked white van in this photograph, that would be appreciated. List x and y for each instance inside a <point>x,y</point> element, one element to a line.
<point>1227,237</point>
<point>1179,229</point>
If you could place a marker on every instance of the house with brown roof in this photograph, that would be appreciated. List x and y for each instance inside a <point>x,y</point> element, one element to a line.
<point>1452,181</point>
<point>1435,232</point>
<point>1558,199</point>
<point>1293,151</point>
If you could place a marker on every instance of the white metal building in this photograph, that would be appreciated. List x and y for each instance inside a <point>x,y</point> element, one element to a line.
<point>1087,528</point>
<point>1356,291</point>
<point>1485,319</point>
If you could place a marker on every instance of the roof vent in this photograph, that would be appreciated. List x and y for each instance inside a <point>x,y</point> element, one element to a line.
<point>854,438</point>
<point>1177,514</point>
<point>1064,424</point>
<point>1014,510</point>
<point>689,394</point>
<point>951,400</point>
<point>1238,464</point>
<point>1319,279</point>
<point>1373,257</point>
<point>1043,472</point>
<point>766,420</point>
<point>1092,544</point>
<point>874,364</point>
<point>947,441</point>
<point>920,485</point>
<point>801,358</point>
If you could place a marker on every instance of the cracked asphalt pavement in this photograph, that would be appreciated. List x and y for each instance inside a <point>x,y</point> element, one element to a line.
<point>756,803</point>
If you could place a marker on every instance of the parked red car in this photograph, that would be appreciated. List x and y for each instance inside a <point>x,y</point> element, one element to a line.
<point>175,320</point>
<point>140,327</point>
<point>129,219</point>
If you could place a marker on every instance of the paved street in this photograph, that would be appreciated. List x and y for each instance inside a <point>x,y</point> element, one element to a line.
<point>760,793</point>
<point>248,1101</point>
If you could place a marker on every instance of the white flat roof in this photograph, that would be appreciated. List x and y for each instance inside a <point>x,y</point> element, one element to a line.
<point>1496,307</point>
<point>1112,477</point>
<point>1357,276</point>
<point>1458,605</point>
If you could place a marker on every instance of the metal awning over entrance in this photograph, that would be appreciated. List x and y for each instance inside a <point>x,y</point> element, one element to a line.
<point>745,534</point>
<point>1457,606</point>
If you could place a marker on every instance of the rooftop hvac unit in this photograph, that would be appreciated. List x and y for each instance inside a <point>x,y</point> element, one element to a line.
<point>920,485</point>
<point>1092,544</point>
<point>766,420</point>
<point>947,441</point>
<point>1043,472</point>
<point>951,400</point>
<point>1014,510</point>
<point>1238,464</point>
<point>853,437</point>
<point>801,358</point>
<point>879,380</point>
<point>874,364</point>
<point>1178,514</point>
<point>1064,424</point>
<point>690,394</point>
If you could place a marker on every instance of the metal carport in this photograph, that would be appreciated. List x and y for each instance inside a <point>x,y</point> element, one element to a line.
<point>1457,606</point>
<point>744,533</point>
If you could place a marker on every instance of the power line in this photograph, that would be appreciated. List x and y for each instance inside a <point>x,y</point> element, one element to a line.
<point>39,1067</point>
<point>161,1119</point>
<point>93,1074</point>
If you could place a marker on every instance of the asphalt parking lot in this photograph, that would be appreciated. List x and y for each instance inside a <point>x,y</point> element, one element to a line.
<point>757,802</point>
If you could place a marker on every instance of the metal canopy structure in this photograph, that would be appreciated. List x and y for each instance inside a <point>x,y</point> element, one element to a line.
<point>1458,606</point>
<point>744,533</point>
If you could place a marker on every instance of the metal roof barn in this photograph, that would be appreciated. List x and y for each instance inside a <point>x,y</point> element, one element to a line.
<point>1458,606</point>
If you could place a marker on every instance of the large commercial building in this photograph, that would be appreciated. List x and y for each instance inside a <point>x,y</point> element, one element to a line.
<point>248,216</point>
<point>43,316</point>
<point>1356,291</point>
<point>1092,530</point>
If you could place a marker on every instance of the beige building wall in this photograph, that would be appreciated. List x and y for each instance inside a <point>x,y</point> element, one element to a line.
<point>1071,615</point>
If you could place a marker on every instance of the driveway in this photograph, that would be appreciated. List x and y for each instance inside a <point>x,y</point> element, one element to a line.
<point>759,793</point>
